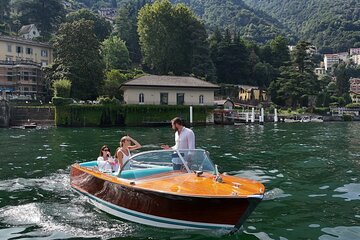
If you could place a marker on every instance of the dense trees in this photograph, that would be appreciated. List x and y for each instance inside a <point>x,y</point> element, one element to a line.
<point>173,40</point>
<point>102,28</point>
<point>78,58</point>
<point>163,38</point>
<point>115,53</point>
<point>231,60</point>
<point>45,14</point>
<point>296,82</point>
<point>251,24</point>
<point>126,27</point>
<point>332,25</point>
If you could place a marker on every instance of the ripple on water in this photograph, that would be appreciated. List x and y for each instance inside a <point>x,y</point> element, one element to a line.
<point>22,233</point>
<point>57,182</point>
<point>351,192</point>
<point>341,233</point>
<point>257,174</point>
<point>275,194</point>
<point>17,136</point>
<point>73,219</point>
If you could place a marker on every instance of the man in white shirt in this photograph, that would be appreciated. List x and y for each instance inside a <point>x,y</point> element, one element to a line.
<point>184,139</point>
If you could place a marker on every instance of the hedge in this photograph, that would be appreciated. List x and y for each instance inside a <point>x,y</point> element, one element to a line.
<point>76,115</point>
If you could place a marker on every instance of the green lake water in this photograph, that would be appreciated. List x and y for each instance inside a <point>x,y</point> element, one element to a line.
<point>311,172</point>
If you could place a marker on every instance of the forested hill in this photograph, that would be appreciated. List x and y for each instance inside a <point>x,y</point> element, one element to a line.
<point>236,16</point>
<point>332,25</point>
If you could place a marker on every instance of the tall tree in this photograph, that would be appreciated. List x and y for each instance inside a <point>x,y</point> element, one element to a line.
<point>78,54</point>
<point>296,82</point>
<point>303,57</point>
<point>115,53</point>
<point>263,74</point>
<point>232,61</point>
<point>292,86</point>
<point>280,51</point>
<point>126,27</point>
<point>45,14</point>
<point>102,28</point>
<point>172,39</point>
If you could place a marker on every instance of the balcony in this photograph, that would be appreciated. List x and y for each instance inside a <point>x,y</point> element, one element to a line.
<point>20,62</point>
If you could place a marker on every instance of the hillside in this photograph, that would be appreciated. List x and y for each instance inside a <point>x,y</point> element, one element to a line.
<point>332,25</point>
<point>236,16</point>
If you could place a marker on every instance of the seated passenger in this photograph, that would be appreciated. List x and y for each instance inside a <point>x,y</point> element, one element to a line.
<point>106,162</point>
<point>122,153</point>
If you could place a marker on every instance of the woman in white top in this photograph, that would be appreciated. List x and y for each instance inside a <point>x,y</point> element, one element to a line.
<point>106,162</point>
<point>122,153</point>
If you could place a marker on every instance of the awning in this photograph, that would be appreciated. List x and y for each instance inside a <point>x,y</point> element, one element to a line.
<point>7,89</point>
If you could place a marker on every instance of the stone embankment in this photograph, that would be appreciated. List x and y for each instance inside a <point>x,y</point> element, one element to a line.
<point>41,115</point>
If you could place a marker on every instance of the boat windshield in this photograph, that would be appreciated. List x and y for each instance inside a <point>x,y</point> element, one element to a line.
<point>156,162</point>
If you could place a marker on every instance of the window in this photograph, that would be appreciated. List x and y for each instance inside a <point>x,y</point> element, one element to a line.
<point>26,89</point>
<point>164,98</point>
<point>9,58</point>
<point>141,98</point>
<point>201,99</point>
<point>44,63</point>
<point>44,53</point>
<point>34,89</point>
<point>9,76</point>
<point>26,76</point>
<point>9,47</point>
<point>29,51</point>
<point>180,98</point>
<point>19,49</point>
<point>33,76</point>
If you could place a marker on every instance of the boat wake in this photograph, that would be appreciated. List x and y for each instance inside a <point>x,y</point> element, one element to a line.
<point>55,213</point>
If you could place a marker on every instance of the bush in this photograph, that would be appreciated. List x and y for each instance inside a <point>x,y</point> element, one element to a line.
<point>353,105</point>
<point>59,101</point>
<point>108,100</point>
<point>62,88</point>
<point>321,110</point>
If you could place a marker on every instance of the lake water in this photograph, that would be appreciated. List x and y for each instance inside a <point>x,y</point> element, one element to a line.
<point>311,172</point>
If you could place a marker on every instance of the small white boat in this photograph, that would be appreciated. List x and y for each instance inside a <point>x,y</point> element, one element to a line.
<point>305,119</point>
<point>291,120</point>
<point>317,119</point>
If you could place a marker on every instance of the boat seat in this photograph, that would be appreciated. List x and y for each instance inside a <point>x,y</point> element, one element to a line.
<point>132,174</point>
<point>140,173</point>
<point>89,164</point>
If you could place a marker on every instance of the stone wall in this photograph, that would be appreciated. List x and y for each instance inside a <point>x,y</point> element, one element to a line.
<point>4,113</point>
<point>32,114</point>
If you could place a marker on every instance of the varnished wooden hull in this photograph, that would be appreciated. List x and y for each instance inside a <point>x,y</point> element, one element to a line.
<point>160,208</point>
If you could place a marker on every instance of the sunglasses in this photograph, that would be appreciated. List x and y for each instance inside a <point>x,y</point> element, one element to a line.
<point>106,149</point>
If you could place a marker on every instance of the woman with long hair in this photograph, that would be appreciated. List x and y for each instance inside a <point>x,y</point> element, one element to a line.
<point>106,162</point>
<point>122,153</point>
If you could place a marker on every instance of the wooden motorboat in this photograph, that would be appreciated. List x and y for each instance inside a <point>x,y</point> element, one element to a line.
<point>151,192</point>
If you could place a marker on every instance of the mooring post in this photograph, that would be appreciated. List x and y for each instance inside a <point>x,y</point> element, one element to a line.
<point>275,115</point>
<point>261,118</point>
<point>246,117</point>
<point>191,115</point>
<point>252,115</point>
